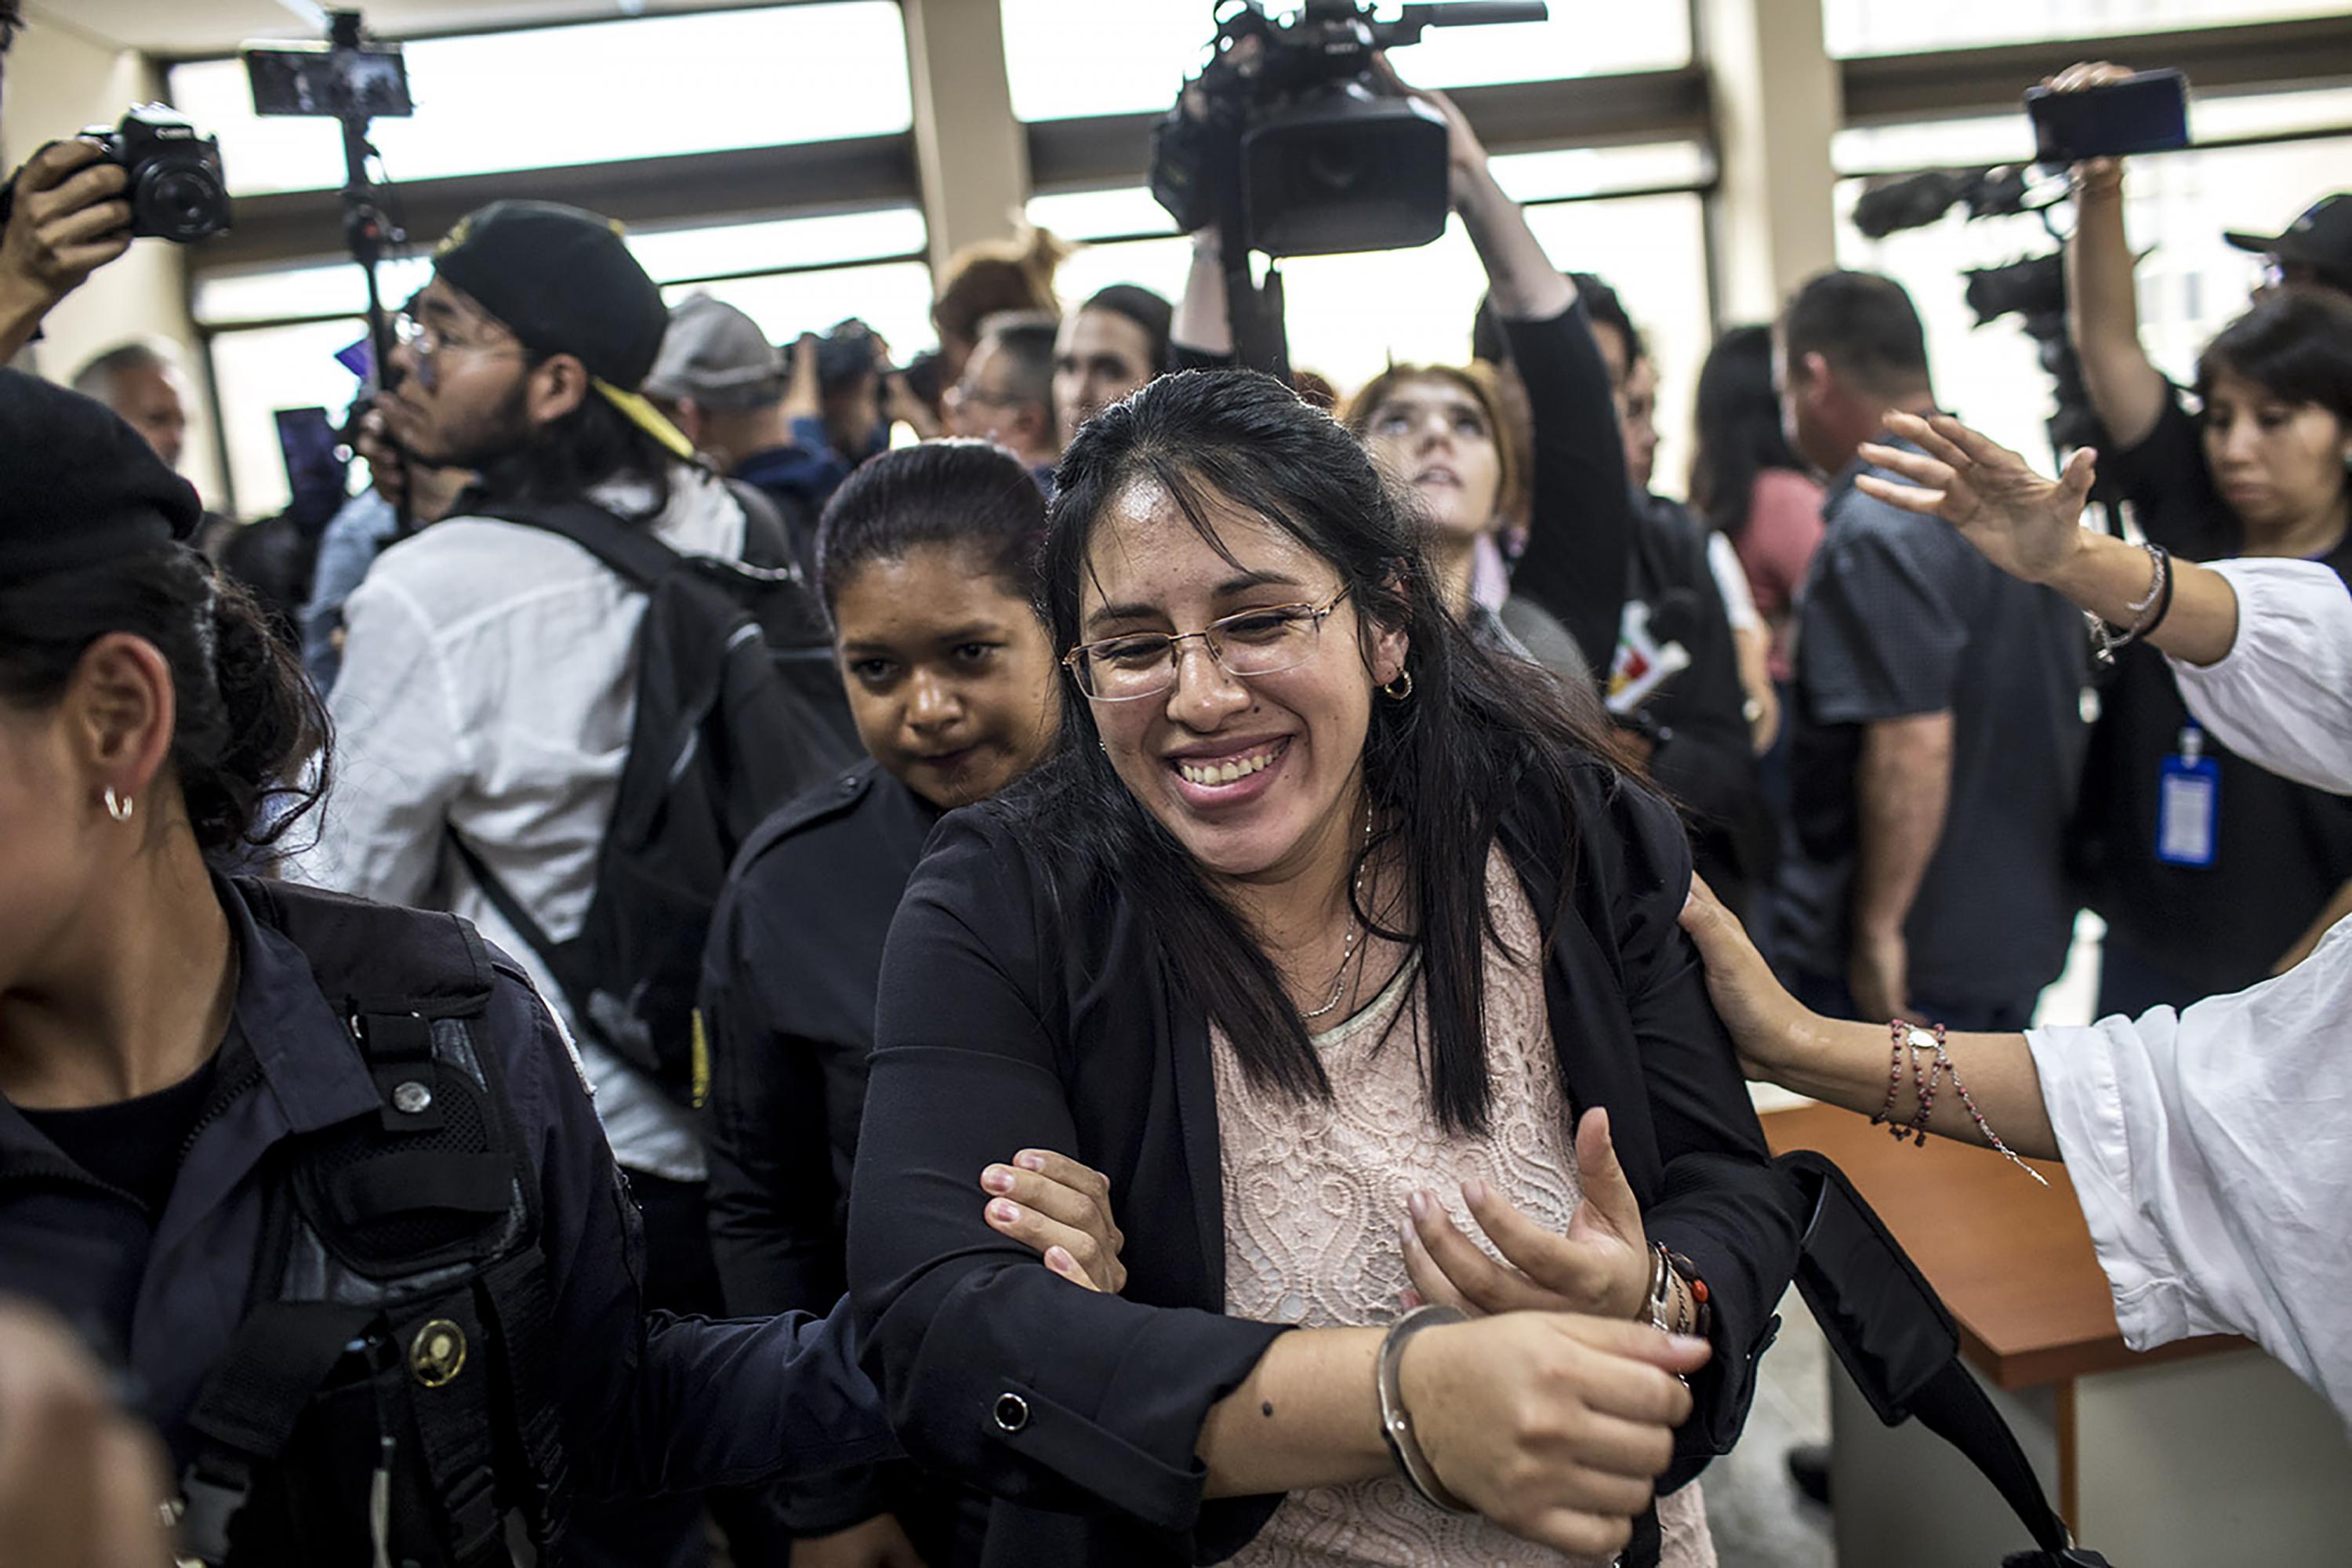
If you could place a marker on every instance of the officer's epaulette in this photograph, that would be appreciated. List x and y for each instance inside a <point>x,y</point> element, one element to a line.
<point>838,796</point>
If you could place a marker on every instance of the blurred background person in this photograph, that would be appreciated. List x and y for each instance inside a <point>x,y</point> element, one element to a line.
<point>144,386</point>
<point>1006,391</point>
<point>727,388</point>
<point>988,278</point>
<point>1109,347</point>
<point>1750,485</point>
<point>1938,732</point>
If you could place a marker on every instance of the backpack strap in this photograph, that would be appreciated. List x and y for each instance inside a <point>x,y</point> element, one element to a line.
<point>577,987</point>
<point>250,1404</point>
<point>766,543</point>
<point>1902,1349</point>
<point>632,549</point>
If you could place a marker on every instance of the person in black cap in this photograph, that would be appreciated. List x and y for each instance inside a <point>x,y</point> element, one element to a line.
<point>446,1295</point>
<point>2316,251</point>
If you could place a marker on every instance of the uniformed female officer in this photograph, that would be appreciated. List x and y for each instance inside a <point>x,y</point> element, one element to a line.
<point>321,1176</point>
<point>926,560</point>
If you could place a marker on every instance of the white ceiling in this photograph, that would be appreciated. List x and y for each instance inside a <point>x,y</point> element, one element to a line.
<point>176,28</point>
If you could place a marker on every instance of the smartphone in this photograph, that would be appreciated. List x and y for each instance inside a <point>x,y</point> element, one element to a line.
<point>329,81</point>
<point>2144,113</point>
<point>315,464</point>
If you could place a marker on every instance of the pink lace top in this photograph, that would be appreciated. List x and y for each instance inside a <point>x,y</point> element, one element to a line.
<point>1313,1196</point>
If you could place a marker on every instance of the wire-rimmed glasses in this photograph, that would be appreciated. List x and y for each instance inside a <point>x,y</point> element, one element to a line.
<point>1252,643</point>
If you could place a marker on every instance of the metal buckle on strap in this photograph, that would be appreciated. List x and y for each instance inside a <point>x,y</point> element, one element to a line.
<point>207,1509</point>
<point>473,1507</point>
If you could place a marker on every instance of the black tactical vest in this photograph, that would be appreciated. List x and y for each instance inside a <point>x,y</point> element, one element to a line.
<point>387,1399</point>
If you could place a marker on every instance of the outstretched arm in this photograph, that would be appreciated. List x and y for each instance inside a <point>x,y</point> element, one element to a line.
<point>2127,392</point>
<point>1782,1041</point>
<point>69,220</point>
<point>2030,528</point>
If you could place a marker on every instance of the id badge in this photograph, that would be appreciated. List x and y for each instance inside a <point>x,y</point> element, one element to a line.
<point>2188,804</point>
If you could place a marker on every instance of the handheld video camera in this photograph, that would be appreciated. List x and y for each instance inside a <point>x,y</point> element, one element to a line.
<point>1321,158</point>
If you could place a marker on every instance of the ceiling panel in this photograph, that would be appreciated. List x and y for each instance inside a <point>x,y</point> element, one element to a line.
<point>176,28</point>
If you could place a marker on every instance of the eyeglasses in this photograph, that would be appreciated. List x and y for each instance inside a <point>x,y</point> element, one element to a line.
<point>964,392</point>
<point>425,342</point>
<point>1250,644</point>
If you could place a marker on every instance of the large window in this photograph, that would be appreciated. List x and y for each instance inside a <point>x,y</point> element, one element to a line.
<point>556,96</point>
<point>1903,27</point>
<point>1071,57</point>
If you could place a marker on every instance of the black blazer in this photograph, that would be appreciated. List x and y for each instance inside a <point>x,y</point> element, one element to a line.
<point>1010,1016</point>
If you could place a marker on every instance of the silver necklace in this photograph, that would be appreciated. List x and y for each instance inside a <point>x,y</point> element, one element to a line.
<point>1355,926</point>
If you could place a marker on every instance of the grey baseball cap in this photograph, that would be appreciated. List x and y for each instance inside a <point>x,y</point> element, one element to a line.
<point>717,355</point>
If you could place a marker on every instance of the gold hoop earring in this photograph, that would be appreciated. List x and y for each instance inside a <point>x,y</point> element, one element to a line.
<point>1398,689</point>
<point>118,806</point>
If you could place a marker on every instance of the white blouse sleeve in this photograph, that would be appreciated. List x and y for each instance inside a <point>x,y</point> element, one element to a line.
<point>2282,696</point>
<point>2211,1151</point>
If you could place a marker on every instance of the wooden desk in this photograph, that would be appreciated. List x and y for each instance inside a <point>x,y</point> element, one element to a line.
<point>2205,1451</point>
<point>2013,1261</point>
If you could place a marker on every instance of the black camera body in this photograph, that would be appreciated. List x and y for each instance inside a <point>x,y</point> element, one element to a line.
<point>1303,142</point>
<point>176,188</point>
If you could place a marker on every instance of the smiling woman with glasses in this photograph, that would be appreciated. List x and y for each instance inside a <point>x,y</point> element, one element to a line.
<point>1334,938</point>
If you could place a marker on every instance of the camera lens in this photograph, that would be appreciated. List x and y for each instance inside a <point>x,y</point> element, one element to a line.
<point>181,205</point>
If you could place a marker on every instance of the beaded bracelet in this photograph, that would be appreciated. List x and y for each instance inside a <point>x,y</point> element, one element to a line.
<point>1918,1040</point>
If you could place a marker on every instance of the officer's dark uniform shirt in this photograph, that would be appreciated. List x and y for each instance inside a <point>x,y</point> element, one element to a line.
<point>789,975</point>
<point>788,981</point>
<point>649,1403</point>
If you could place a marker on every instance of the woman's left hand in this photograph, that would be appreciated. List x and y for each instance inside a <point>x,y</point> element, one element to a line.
<point>1602,1266</point>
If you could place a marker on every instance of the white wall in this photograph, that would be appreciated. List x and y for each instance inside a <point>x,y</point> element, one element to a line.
<point>58,82</point>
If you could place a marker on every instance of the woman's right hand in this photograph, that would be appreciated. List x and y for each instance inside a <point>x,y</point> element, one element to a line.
<point>1766,1024</point>
<point>1555,1426</point>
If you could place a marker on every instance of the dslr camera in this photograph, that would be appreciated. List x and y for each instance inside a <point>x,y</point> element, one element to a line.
<point>176,189</point>
<point>1302,143</point>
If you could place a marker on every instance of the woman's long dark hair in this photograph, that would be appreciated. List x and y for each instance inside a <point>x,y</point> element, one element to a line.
<point>1739,430</point>
<point>1476,736</point>
<point>249,719</point>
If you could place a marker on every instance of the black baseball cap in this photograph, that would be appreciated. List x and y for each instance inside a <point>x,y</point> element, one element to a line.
<point>78,486</point>
<point>562,280</point>
<point>2320,239</point>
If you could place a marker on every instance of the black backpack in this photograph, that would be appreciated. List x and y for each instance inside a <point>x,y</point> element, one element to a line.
<point>739,708</point>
